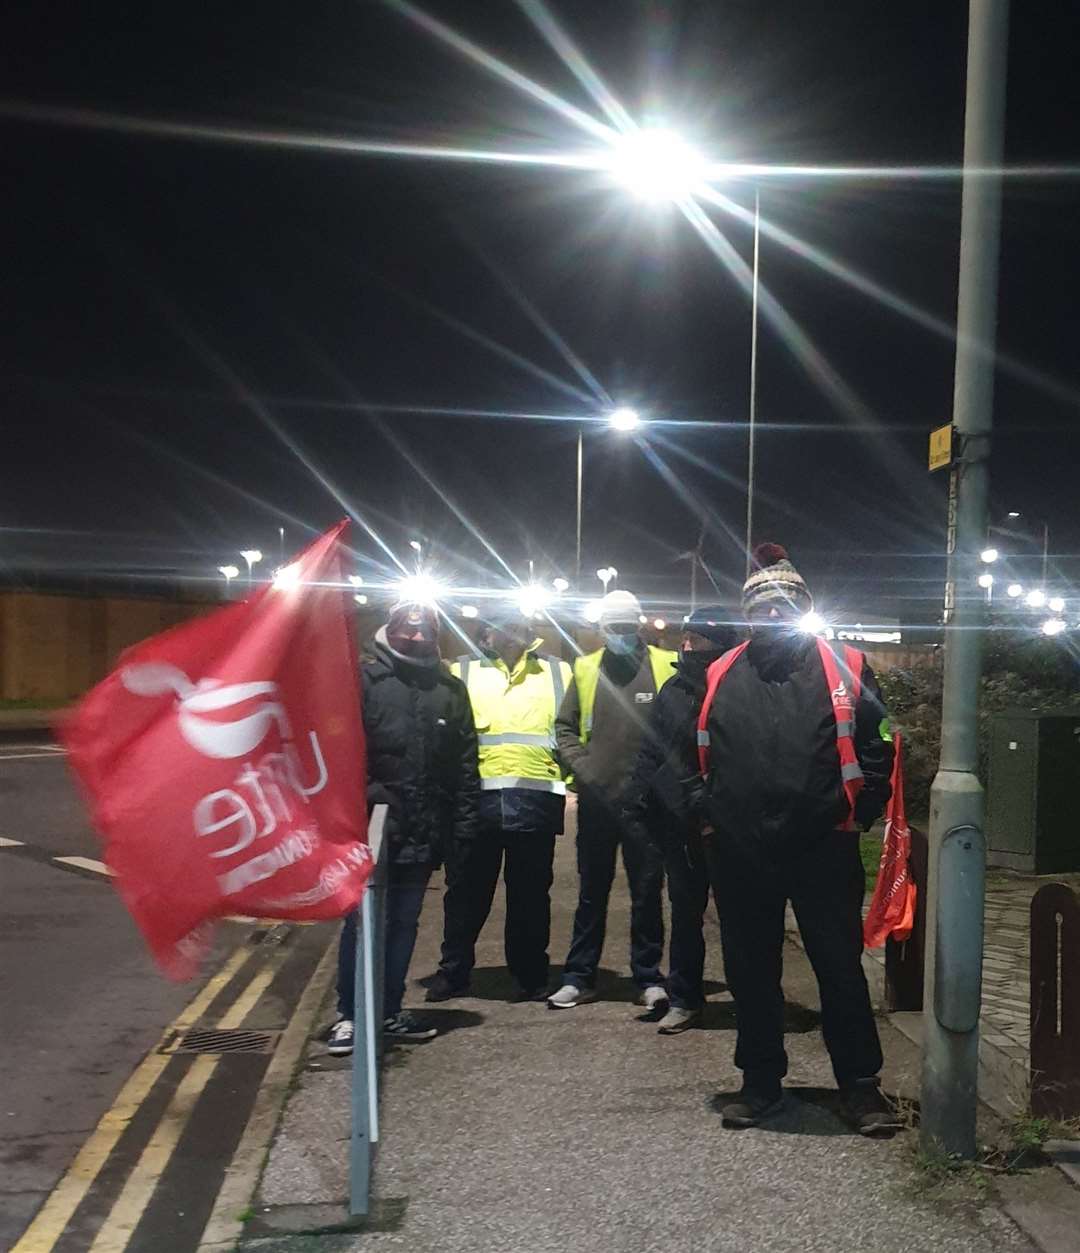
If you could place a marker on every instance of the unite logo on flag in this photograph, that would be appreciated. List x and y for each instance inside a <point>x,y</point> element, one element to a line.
<point>208,801</point>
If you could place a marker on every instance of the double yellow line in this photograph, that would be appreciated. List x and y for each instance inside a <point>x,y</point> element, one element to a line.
<point>116,1230</point>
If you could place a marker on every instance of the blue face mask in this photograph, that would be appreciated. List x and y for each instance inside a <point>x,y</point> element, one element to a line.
<point>619,644</point>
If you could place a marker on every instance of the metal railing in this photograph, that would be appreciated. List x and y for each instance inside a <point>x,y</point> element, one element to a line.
<point>367,1022</point>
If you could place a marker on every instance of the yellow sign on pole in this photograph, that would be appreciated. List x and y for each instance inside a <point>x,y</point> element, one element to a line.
<point>941,448</point>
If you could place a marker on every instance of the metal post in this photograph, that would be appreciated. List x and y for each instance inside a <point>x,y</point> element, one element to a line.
<point>753,383</point>
<point>580,467</point>
<point>957,861</point>
<point>1046,553</point>
<point>367,1027</point>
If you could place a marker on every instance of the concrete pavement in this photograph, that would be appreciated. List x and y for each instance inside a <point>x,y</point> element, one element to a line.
<point>525,1129</point>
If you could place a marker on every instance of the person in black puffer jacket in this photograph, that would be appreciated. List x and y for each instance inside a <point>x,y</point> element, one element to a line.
<point>661,808</point>
<point>422,764</point>
<point>785,811</point>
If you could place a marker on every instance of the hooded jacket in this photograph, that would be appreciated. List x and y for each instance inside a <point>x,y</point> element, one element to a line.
<point>774,769</point>
<point>421,756</point>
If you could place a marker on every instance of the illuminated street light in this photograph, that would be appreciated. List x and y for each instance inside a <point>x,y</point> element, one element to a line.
<point>989,555</point>
<point>642,619</point>
<point>286,577</point>
<point>605,574</point>
<point>625,419</point>
<point>1015,590</point>
<point>1053,626</point>
<point>532,600</point>
<point>355,580</point>
<point>657,164</point>
<point>560,585</point>
<point>415,545</point>
<point>469,611</point>
<point>1036,599</point>
<point>230,573</point>
<point>1013,513</point>
<point>1056,604</point>
<point>420,589</point>
<point>986,580</point>
<point>360,600</point>
<point>252,556</point>
<point>659,623</point>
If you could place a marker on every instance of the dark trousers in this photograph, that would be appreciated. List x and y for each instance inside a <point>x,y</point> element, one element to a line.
<point>599,836</point>
<point>525,859</point>
<point>688,891</point>
<point>825,886</point>
<point>404,901</point>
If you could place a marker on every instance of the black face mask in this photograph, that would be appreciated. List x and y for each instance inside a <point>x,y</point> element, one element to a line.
<point>696,661</point>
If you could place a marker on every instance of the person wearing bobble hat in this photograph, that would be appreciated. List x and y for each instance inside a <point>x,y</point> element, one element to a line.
<point>599,730</point>
<point>796,757</point>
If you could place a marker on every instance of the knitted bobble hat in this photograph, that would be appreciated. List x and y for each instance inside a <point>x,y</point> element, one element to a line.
<point>774,578</point>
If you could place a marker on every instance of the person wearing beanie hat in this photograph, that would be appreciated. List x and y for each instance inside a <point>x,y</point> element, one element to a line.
<point>662,812</point>
<point>598,732</point>
<point>796,759</point>
<point>422,764</point>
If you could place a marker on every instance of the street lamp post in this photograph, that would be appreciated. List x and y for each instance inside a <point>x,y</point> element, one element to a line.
<point>252,556</point>
<point>229,573</point>
<point>957,856</point>
<point>751,451</point>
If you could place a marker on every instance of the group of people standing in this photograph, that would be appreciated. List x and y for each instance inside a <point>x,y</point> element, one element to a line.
<point>744,769</point>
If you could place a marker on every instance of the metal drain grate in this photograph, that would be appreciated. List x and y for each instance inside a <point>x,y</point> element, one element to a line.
<point>214,1040</point>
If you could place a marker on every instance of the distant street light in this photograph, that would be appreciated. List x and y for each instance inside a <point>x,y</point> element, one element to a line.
<point>659,623</point>
<point>989,555</point>
<point>987,581</point>
<point>1035,599</point>
<point>560,585</point>
<point>252,556</point>
<point>1056,604</point>
<point>606,574</point>
<point>1053,626</point>
<point>360,600</point>
<point>1015,590</point>
<point>469,611</point>
<point>355,580</point>
<point>230,573</point>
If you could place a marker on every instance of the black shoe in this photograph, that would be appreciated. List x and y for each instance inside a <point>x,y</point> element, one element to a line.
<point>521,996</point>
<point>441,989</point>
<point>752,1105</point>
<point>867,1109</point>
<point>405,1026</point>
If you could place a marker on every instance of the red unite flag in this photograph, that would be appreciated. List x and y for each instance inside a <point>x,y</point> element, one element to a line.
<point>224,763</point>
<point>892,907</point>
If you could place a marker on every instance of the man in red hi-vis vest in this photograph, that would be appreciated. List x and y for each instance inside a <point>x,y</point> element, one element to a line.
<point>795,757</point>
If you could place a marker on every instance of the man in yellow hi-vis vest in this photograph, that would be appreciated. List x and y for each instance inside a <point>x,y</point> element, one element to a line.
<point>599,730</point>
<point>515,692</point>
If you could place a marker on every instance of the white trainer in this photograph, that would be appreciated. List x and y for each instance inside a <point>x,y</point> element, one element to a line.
<point>568,996</point>
<point>655,999</point>
<point>339,1043</point>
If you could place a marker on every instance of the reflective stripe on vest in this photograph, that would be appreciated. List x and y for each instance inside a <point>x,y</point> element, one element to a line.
<point>587,678</point>
<point>513,737</point>
<point>530,785</point>
<point>844,679</point>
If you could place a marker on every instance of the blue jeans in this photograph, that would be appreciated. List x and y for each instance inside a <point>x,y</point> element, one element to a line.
<point>404,901</point>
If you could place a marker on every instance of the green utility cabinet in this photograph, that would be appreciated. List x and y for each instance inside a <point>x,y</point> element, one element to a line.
<point>1032,821</point>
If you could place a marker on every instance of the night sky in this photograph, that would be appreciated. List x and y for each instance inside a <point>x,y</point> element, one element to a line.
<point>205,341</point>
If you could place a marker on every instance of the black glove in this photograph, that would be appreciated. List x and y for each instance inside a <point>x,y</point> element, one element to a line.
<point>868,809</point>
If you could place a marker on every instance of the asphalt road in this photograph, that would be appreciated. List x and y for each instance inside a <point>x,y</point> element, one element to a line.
<point>83,1004</point>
